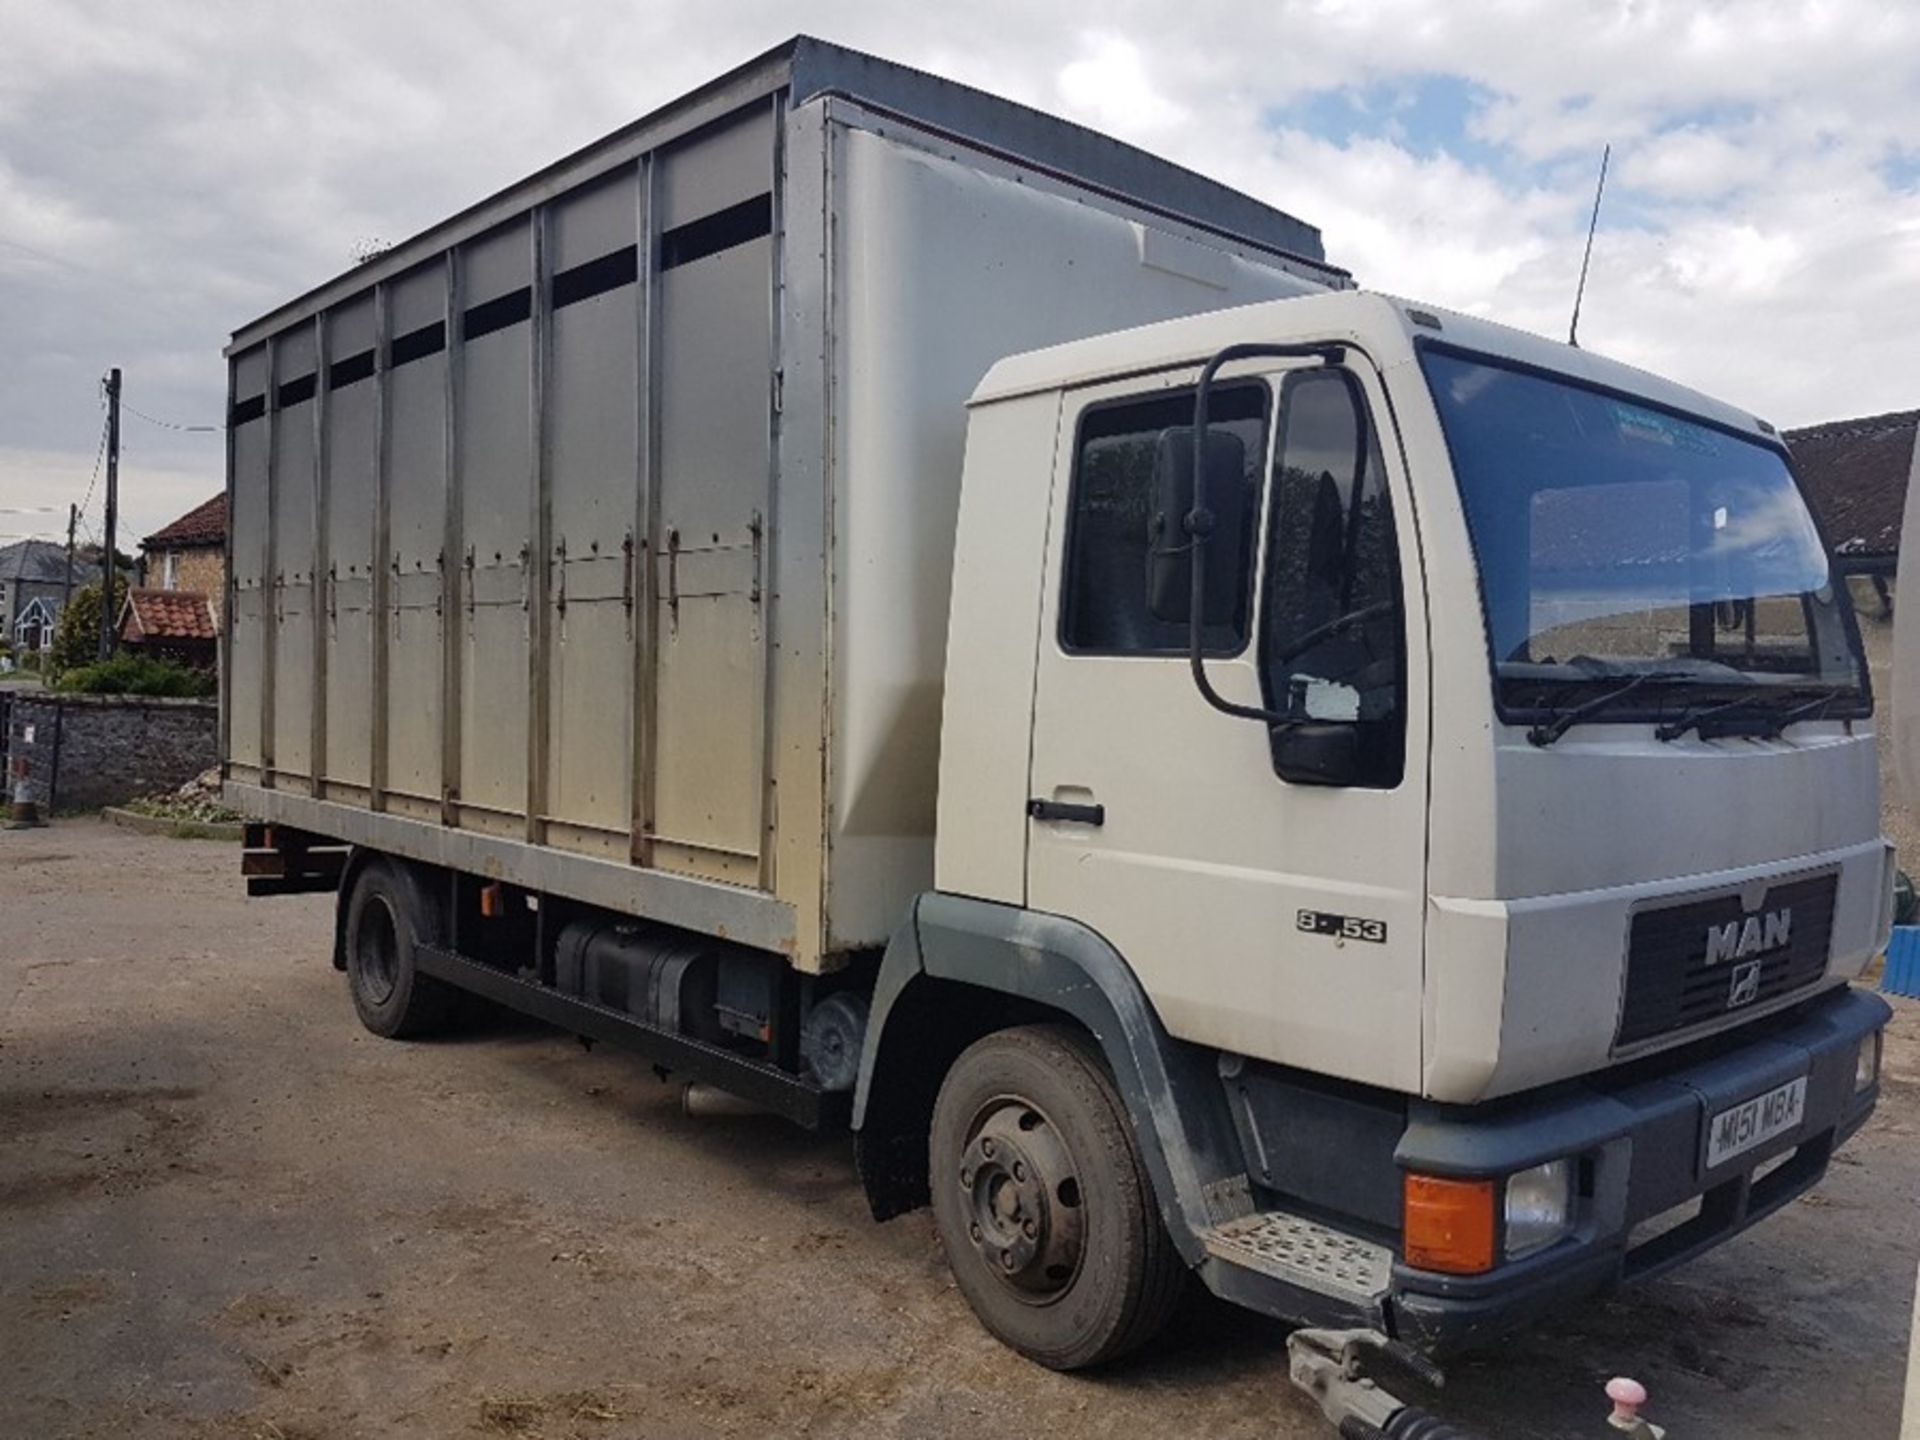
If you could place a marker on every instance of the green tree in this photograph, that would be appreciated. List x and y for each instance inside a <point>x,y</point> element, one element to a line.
<point>77,641</point>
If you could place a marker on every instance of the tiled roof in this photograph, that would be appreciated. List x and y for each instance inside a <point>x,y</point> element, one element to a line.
<point>205,524</point>
<point>44,561</point>
<point>167,615</point>
<point>1855,472</point>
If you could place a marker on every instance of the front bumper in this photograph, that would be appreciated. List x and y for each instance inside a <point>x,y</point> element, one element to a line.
<point>1641,1136</point>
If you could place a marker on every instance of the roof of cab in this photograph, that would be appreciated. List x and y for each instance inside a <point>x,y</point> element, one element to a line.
<point>1376,323</point>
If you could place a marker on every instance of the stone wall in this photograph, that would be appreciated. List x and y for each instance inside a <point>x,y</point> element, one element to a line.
<point>112,748</point>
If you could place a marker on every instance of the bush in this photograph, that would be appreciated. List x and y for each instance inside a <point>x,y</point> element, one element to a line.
<point>77,641</point>
<point>138,675</point>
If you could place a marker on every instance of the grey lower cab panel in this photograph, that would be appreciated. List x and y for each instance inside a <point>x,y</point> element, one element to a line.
<point>1303,1252</point>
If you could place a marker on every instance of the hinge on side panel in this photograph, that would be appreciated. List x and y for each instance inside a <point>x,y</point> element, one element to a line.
<point>467,596</point>
<point>673,579</point>
<point>560,578</point>
<point>758,530</point>
<point>779,391</point>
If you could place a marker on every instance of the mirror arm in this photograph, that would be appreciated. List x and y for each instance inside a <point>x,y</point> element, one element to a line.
<point>1199,520</point>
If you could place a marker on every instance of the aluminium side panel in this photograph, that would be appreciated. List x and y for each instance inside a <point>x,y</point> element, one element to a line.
<point>248,493</point>
<point>416,514</point>
<point>346,584</point>
<point>947,259</point>
<point>594,475</point>
<point>714,418</point>
<point>494,474</point>
<point>295,465</point>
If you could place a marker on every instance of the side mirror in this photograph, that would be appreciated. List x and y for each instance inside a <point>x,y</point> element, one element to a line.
<point>1317,752</point>
<point>1169,558</point>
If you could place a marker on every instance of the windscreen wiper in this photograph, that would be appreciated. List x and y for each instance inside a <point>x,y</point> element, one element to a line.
<point>1674,729</point>
<point>1769,730</point>
<point>1548,731</point>
<point>1811,709</point>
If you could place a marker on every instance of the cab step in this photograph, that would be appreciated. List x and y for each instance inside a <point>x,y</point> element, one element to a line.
<point>1304,1253</point>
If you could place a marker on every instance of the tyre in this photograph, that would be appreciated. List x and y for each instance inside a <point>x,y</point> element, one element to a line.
<point>387,917</point>
<point>1043,1204</point>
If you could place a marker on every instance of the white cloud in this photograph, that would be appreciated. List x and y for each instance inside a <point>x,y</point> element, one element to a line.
<point>1112,89</point>
<point>173,170</point>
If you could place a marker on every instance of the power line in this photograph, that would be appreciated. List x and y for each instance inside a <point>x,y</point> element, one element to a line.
<point>98,455</point>
<point>170,425</point>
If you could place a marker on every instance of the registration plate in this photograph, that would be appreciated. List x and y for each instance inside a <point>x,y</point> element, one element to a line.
<point>1736,1131</point>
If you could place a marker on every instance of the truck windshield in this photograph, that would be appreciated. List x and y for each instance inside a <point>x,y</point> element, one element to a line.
<point>1615,540</point>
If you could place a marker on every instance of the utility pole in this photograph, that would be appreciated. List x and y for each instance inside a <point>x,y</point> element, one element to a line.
<point>66,591</point>
<point>107,617</point>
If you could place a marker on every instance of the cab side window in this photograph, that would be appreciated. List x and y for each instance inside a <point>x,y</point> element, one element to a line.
<point>1105,604</point>
<point>1332,647</point>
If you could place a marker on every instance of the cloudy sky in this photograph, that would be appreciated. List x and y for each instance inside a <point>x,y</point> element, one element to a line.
<point>169,171</point>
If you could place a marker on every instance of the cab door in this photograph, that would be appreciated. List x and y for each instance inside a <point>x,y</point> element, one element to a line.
<point>1275,917</point>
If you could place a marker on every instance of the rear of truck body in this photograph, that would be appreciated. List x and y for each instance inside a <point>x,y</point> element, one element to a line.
<point>611,602</point>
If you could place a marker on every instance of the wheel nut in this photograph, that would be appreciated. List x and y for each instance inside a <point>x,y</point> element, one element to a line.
<point>1029,1229</point>
<point>966,1179</point>
<point>973,1232</point>
<point>986,1147</point>
<point>1019,1171</point>
<point>1006,1260</point>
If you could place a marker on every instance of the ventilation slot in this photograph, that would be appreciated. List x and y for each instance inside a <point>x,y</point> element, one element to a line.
<point>723,230</point>
<point>298,391</point>
<point>596,277</point>
<point>252,408</point>
<point>350,370</point>
<point>498,314</point>
<point>417,344</point>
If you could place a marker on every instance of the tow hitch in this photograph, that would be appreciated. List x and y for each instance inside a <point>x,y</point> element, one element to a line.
<point>1327,1364</point>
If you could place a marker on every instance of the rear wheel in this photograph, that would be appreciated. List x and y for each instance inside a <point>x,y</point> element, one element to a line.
<point>387,919</point>
<point>1042,1201</point>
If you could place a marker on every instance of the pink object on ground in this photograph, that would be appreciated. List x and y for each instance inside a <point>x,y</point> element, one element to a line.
<point>1627,1396</point>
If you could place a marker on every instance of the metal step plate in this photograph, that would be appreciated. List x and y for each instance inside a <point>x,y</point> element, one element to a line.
<point>1305,1253</point>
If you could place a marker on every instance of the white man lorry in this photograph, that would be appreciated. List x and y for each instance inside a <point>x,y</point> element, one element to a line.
<point>945,624</point>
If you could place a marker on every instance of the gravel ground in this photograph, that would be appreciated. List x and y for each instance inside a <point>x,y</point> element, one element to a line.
<point>226,1211</point>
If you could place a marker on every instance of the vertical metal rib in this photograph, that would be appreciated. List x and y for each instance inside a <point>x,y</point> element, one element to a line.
<point>318,579</point>
<point>380,620</point>
<point>453,527</point>
<point>539,539</point>
<point>646,521</point>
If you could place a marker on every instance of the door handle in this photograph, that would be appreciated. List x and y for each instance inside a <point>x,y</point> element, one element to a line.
<point>1061,810</point>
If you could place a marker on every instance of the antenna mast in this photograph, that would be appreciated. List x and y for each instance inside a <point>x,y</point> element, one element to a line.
<point>1573,330</point>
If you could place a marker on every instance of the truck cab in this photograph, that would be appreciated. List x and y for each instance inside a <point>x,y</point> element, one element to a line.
<point>1490,828</point>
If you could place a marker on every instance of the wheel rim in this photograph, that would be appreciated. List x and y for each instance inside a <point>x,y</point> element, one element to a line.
<point>376,951</point>
<point>1021,1199</point>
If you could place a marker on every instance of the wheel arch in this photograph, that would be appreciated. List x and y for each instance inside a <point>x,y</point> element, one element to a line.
<point>959,969</point>
<point>410,874</point>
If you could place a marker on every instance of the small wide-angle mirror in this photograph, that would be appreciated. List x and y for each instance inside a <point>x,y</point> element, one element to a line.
<point>1170,552</point>
<point>1317,752</point>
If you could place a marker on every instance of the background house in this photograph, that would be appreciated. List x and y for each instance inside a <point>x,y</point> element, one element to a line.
<point>33,590</point>
<point>1856,474</point>
<point>190,555</point>
<point>176,612</point>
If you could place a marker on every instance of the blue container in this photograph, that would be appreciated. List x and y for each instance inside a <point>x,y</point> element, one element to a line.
<point>1903,962</point>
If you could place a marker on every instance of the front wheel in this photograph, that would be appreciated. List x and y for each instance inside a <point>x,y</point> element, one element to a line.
<point>1043,1204</point>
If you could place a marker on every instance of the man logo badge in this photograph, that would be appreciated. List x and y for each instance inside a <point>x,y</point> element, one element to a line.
<point>1755,935</point>
<point>1744,988</point>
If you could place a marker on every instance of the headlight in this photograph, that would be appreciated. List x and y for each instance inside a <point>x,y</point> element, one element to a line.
<point>1539,1207</point>
<point>1866,1064</point>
